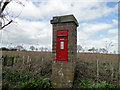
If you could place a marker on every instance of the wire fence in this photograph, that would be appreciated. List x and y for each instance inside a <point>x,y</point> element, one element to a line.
<point>89,66</point>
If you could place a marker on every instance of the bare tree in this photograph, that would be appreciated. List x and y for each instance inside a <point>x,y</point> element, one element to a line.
<point>46,49</point>
<point>103,50</point>
<point>108,45</point>
<point>5,18</point>
<point>19,47</point>
<point>41,49</point>
<point>96,50</point>
<point>114,52</point>
<point>79,48</point>
<point>32,48</point>
<point>92,49</point>
<point>36,49</point>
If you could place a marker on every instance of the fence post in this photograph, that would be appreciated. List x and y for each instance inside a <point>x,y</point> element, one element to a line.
<point>97,68</point>
<point>23,59</point>
<point>30,64</point>
<point>12,61</point>
<point>28,59</point>
<point>5,61</point>
<point>112,69</point>
<point>42,59</point>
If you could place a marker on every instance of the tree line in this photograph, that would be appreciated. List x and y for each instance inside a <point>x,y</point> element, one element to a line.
<point>21,48</point>
<point>94,50</point>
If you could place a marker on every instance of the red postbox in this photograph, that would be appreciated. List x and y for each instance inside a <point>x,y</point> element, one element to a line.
<point>62,46</point>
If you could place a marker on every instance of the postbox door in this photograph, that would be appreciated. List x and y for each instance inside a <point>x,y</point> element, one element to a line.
<point>62,49</point>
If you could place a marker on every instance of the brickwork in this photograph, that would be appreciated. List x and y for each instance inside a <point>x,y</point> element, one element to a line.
<point>63,73</point>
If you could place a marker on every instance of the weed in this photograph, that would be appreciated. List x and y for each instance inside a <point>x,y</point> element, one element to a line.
<point>90,84</point>
<point>35,84</point>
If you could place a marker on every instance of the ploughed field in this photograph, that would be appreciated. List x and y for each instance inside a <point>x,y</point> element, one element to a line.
<point>39,64</point>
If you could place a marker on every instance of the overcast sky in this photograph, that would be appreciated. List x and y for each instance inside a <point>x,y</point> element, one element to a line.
<point>98,22</point>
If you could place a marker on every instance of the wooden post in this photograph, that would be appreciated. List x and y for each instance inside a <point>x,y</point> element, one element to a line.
<point>42,59</point>
<point>23,59</point>
<point>2,60</point>
<point>97,68</point>
<point>12,61</point>
<point>28,59</point>
<point>5,61</point>
<point>112,70</point>
<point>30,64</point>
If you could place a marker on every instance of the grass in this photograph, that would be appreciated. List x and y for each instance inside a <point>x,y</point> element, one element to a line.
<point>36,84</point>
<point>91,84</point>
<point>13,79</point>
<point>23,80</point>
<point>41,66</point>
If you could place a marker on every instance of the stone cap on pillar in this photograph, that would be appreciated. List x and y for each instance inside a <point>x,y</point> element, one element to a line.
<point>64,19</point>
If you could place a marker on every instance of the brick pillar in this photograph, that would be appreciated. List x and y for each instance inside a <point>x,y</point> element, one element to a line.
<point>63,72</point>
